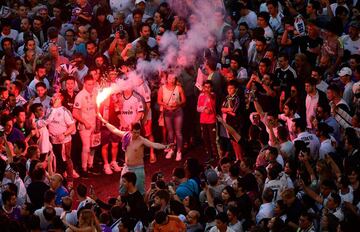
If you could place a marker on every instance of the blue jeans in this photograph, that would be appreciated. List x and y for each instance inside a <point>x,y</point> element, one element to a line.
<point>173,124</point>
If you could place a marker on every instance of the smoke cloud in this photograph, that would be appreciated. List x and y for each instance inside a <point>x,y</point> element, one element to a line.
<point>178,52</point>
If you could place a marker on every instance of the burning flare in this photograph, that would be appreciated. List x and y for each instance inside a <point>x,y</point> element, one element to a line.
<point>103,94</point>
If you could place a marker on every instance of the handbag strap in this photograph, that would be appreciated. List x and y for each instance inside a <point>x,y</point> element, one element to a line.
<point>170,94</point>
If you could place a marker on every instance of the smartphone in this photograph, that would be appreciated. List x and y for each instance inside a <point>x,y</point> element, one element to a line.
<point>153,185</point>
<point>226,50</point>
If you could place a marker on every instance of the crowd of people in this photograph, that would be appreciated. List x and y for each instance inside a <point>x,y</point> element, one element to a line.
<point>269,90</point>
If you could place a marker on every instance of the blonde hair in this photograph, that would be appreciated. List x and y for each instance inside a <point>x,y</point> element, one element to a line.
<point>88,218</point>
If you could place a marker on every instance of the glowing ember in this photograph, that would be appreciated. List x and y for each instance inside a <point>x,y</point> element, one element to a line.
<point>103,94</point>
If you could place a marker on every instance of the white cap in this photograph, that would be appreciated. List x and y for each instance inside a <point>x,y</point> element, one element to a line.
<point>356,87</point>
<point>139,1</point>
<point>345,71</point>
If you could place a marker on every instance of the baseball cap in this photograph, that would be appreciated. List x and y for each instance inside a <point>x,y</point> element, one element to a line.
<point>211,176</point>
<point>41,7</point>
<point>140,1</point>
<point>345,71</point>
<point>356,87</point>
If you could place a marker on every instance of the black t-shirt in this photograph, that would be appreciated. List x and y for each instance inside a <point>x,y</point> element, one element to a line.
<point>36,192</point>
<point>293,212</point>
<point>138,209</point>
<point>245,206</point>
<point>69,100</point>
<point>285,78</point>
<point>304,43</point>
<point>20,162</point>
<point>251,183</point>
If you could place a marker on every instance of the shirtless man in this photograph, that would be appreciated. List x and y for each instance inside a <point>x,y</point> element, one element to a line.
<point>133,146</point>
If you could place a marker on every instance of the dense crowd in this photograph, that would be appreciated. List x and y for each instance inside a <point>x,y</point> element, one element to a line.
<point>269,90</point>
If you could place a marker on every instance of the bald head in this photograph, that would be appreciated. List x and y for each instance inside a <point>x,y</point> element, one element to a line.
<point>56,181</point>
<point>193,217</point>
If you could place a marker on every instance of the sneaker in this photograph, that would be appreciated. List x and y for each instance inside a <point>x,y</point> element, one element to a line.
<point>178,156</point>
<point>93,171</point>
<point>114,166</point>
<point>166,150</point>
<point>107,169</point>
<point>75,174</point>
<point>169,154</point>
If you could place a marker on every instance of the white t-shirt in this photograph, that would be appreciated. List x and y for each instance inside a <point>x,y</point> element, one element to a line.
<point>287,148</point>
<point>236,227</point>
<point>151,42</point>
<point>43,222</point>
<point>250,19</point>
<point>58,121</point>
<point>13,35</point>
<point>348,93</point>
<point>325,148</point>
<point>322,86</point>
<point>278,185</point>
<point>144,91</point>
<point>44,139</point>
<point>312,142</point>
<point>130,107</point>
<point>85,202</point>
<point>269,35</point>
<point>82,73</point>
<point>266,211</point>
<point>275,22</point>
<point>125,6</point>
<point>70,217</point>
<point>347,197</point>
<point>352,46</point>
<point>86,103</point>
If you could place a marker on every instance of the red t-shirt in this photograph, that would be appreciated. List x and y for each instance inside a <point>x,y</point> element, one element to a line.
<point>208,102</point>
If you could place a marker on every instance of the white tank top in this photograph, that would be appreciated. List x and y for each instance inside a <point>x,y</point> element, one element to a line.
<point>170,97</point>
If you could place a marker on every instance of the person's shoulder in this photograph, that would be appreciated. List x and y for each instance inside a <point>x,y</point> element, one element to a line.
<point>137,96</point>
<point>80,93</point>
<point>201,95</point>
<point>38,212</point>
<point>214,229</point>
<point>62,191</point>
